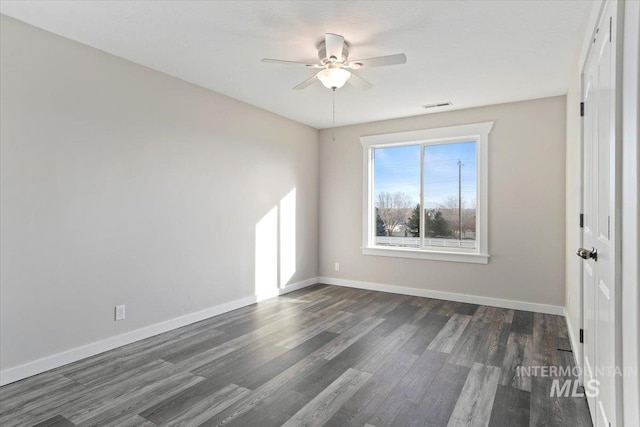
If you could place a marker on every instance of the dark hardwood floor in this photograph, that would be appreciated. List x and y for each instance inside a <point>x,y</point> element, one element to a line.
<point>323,355</point>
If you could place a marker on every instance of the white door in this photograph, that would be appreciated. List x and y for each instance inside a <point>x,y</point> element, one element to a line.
<point>599,310</point>
<point>588,234</point>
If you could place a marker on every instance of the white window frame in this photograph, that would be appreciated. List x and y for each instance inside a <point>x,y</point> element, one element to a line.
<point>478,132</point>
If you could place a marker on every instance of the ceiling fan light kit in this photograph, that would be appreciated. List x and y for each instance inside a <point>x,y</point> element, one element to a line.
<point>333,78</point>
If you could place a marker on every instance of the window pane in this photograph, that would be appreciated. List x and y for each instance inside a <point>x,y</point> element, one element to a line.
<point>450,195</point>
<point>396,194</point>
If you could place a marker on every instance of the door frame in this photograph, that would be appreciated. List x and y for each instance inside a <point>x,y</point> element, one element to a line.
<point>630,209</point>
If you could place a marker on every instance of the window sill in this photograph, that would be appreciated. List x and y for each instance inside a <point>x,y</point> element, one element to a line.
<point>473,258</point>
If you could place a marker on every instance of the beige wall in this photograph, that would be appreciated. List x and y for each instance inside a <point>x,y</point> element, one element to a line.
<point>526,206</point>
<point>122,185</point>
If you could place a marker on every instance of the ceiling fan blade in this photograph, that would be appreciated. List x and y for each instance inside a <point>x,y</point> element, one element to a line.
<point>305,84</point>
<point>283,62</point>
<point>358,81</point>
<point>333,44</point>
<point>380,61</point>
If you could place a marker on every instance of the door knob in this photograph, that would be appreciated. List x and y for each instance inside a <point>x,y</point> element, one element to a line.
<point>586,253</point>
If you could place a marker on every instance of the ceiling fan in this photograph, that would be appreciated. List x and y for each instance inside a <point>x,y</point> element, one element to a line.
<point>335,71</point>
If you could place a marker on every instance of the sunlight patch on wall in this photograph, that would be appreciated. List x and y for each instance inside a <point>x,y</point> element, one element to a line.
<point>287,237</point>
<point>276,252</point>
<point>266,280</point>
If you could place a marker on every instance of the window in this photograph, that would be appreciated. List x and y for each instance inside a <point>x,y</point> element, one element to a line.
<point>425,193</point>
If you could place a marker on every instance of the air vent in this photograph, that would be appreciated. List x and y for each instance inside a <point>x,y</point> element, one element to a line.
<point>442,104</point>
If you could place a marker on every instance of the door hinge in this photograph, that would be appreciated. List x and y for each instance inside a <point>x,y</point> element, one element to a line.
<point>610,25</point>
<point>581,336</point>
<point>581,220</point>
<point>582,109</point>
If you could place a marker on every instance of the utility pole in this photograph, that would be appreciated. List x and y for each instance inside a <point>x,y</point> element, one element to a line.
<point>460,164</point>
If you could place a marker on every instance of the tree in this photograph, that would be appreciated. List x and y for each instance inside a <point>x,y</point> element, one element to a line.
<point>469,218</point>
<point>450,206</point>
<point>449,209</point>
<point>380,230</point>
<point>394,209</point>
<point>436,225</point>
<point>414,222</point>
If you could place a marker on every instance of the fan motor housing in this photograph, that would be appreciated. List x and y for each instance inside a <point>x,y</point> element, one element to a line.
<point>322,53</point>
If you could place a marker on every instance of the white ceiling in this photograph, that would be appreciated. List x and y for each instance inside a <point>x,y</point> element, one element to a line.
<point>469,52</point>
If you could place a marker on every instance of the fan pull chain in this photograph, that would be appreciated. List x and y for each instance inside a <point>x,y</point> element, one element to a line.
<point>333,126</point>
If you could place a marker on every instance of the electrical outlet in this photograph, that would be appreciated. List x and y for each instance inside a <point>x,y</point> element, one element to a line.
<point>120,313</point>
<point>337,266</point>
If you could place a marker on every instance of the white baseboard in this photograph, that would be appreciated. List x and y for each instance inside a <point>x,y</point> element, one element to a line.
<point>451,296</point>
<point>575,345</point>
<point>29,369</point>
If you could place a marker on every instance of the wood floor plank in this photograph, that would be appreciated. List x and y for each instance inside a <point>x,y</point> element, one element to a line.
<point>396,318</point>
<point>57,421</point>
<point>387,347</point>
<point>410,389</point>
<point>482,314</point>
<point>397,307</point>
<point>522,322</point>
<point>541,412</point>
<point>424,309</point>
<point>556,410</point>
<point>316,328</point>
<point>135,402</point>
<point>545,350</point>
<point>473,407</point>
<point>206,408</point>
<point>38,395</point>
<point>180,403</point>
<point>274,410</point>
<point>466,308</point>
<point>43,407</point>
<point>473,339</point>
<point>28,385</point>
<point>495,345</point>
<point>327,403</point>
<point>253,399</point>
<point>338,305</point>
<point>561,327</point>
<point>142,388</point>
<point>240,361</point>
<point>510,408</point>
<point>336,346</point>
<point>446,308</point>
<point>449,335</point>
<point>518,354</point>
<point>504,315</point>
<point>429,327</point>
<point>318,304</point>
<point>319,379</point>
<point>437,404</point>
<point>121,421</point>
<point>256,377</point>
<point>366,401</point>
<point>205,356</point>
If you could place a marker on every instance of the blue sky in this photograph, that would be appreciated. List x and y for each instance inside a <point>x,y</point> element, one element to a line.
<point>398,169</point>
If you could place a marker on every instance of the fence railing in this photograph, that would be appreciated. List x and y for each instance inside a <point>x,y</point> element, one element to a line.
<point>414,242</point>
